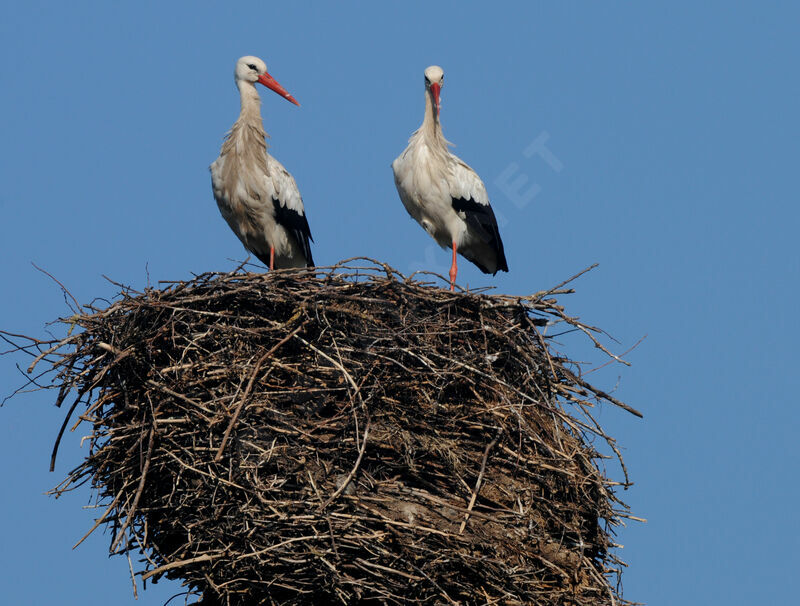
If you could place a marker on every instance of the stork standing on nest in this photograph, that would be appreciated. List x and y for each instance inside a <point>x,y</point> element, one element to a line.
<point>255,194</point>
<point>445,195</point>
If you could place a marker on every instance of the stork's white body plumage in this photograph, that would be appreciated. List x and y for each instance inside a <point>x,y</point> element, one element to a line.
<point>255,194</point>
<point>444,195</point>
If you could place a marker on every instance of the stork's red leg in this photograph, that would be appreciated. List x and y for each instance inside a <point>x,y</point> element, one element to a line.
<point>271,258</point>
<point>453,269</point>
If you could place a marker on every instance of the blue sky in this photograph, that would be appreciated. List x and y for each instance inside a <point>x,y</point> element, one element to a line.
<point>671,137</point>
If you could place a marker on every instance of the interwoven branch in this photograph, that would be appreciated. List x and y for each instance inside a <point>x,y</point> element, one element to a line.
<point>343,435</point>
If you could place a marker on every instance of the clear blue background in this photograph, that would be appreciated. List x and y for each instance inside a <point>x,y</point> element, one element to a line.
<point>676,132</point>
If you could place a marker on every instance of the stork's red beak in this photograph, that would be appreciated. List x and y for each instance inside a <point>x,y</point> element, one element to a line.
<point>436,89</point>
<point>272,84</point>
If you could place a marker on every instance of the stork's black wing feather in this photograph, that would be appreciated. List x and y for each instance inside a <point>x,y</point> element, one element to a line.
<point>297,225</point>
<point>482,223</point>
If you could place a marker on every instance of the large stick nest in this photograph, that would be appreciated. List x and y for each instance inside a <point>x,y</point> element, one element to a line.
<point>342,435</point>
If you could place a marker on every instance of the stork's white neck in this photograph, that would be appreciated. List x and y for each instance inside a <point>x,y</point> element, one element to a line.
<point>251,100</point>
<point>431,128</point>
<point>248,133</point>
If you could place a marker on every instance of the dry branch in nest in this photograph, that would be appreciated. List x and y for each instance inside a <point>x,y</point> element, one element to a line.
<point>342,435</point>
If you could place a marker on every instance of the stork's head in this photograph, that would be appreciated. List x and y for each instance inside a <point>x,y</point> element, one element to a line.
<point>434,81</point>
<point>252,69</point>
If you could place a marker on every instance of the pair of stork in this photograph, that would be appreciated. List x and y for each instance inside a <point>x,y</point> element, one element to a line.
<point>261,203</point>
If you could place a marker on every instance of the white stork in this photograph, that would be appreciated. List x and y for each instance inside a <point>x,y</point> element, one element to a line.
<point>445,195</point>
<point>255,194</point>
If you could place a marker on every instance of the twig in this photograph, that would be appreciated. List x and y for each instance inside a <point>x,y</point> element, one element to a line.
<point>77,308</point>
<point>102,517</point>
<point>249,387</point>
<point>133,577</point>
<point>544,293</point>
<point>352,473</point>
<point>139,490</point>
<point>624,353</point>
<point>54,454</point>
<point>474,498</point>
<point>50,350</point>
<point>180,563</point>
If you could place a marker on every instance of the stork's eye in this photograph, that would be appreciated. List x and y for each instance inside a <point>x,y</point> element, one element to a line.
<point>252,66</point>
